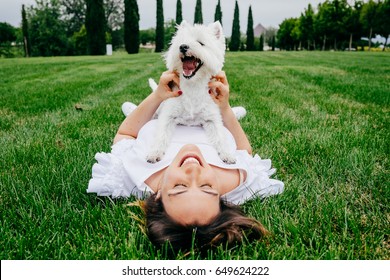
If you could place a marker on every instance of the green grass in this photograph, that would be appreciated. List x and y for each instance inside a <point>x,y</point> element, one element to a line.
<point>323,119</point>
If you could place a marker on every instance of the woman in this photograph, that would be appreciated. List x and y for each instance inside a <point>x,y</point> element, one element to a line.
<point>190,194</point>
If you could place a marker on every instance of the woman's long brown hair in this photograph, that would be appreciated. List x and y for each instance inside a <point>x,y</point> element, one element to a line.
<point>230,227</point>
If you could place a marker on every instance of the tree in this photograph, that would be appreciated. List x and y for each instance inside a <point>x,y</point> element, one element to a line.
<point>369,19</point>
<point>95,23</point>
<point>384,20</point>
<point>296,35</point>
<point>160,27</point>
<point>179,12</point>
<point>273,43</point>
<point>261,43</point>
<point>131,26</point>
<point>73,11</point>
<point>270,33</point>
<point>306,26</point>
<point>169,31</point>
<point>25,32</point>
<point>235,40</point>
<point>218,12</point>
<point>118,36</point>
<point>285,34</point>
<point>47,31</point>
<point>7,36</point>
<point>339,15</point>
<point>80,41</point>
<point>147,36</point>
<point>323,23</point>
<point>7,33</point>
<point>330,22</point>
<point>250,37</point>
<point>114,11</point>
<point>73,14</point>
<point>352,22</point>
<point>198,18</point>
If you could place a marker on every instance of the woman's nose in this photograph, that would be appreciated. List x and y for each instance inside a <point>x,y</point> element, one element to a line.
<point>193,170</point>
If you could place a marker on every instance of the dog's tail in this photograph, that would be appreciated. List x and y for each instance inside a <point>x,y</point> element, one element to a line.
<point>152,84</point>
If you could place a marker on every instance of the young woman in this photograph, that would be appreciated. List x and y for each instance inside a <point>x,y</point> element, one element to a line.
<point>190,195</point>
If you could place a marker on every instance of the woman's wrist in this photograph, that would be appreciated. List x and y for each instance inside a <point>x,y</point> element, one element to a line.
<point>156,98</point>
<point>227,113</point>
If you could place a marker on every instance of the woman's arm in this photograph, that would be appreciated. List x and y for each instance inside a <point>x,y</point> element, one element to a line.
<point>219,90</point>
<point>144,112</point>
<point>232,124</point>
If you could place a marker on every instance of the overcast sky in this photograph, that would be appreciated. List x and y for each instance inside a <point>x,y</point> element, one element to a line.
<point>266,12</point>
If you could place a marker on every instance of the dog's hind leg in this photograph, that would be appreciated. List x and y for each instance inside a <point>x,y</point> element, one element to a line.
<point>215,133</point>
<point>164,133</point>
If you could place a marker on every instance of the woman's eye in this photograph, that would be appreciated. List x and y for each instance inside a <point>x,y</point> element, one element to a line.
<point>206,186</point>
<point>179,186</point>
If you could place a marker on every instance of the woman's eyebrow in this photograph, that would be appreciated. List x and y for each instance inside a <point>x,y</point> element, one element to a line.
<point>183,191</point>
<point>210,191</point>
<point>176,193</point>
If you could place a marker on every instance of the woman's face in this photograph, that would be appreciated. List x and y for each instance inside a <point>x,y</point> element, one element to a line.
<point>190,188</point>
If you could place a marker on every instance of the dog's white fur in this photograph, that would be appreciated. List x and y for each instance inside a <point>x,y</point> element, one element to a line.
<point>195,106</point>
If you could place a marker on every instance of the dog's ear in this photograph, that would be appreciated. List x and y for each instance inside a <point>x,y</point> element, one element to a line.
<point>184,23</point>
<point>217,30</point>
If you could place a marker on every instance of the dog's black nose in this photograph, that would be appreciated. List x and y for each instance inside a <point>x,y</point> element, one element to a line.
<point>184,48</point>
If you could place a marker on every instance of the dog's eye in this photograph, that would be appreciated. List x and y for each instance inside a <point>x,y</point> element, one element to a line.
<point>200,43</point>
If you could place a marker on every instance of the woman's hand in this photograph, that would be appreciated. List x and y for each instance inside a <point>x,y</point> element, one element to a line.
<point>219,91</point>
<point>168,86</point>
<point>144,112</point>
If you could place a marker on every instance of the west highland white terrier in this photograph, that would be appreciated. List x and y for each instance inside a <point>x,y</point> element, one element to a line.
<point>197,53</point>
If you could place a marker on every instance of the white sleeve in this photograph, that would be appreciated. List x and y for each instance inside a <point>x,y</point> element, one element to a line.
<point>258,182</point>
<point>108,174</point>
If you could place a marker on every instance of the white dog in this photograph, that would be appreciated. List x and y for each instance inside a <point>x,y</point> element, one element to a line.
<point>196,53</point>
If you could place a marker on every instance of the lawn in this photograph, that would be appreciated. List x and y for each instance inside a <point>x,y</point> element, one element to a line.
<point>322,117</point>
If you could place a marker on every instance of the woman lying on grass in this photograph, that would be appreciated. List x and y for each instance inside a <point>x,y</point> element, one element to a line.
<point>191,194</point>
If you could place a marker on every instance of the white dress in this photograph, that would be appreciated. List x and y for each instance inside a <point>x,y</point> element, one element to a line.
<point>122,173</point>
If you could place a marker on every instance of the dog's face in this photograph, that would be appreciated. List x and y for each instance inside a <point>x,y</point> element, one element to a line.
<point>197,51</point>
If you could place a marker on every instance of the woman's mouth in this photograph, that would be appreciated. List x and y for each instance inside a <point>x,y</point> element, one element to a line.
<point>190,159</point>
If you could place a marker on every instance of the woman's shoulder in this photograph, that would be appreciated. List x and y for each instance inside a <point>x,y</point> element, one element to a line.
<point>258,181</point>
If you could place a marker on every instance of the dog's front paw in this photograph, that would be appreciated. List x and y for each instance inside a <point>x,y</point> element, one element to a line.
<point>227,158</point>
<point>154,157</point>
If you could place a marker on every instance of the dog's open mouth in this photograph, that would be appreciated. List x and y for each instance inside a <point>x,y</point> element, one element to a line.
<point>191,65</point>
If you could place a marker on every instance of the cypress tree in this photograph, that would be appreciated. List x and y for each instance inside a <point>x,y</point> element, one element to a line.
<point>261,45</point>
<point>250,37</point>
<point>198,12</point>
<point>218,12</point>
<point>131,26</point>
<point>273,43</point>
<point>179,12</point>
<point>26,36</point>
<point>95,23</point>
<point>160,27</point>
<point>236,35</point>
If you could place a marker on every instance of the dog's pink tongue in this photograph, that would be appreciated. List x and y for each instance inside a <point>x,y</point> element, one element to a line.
<point>189,66</point>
